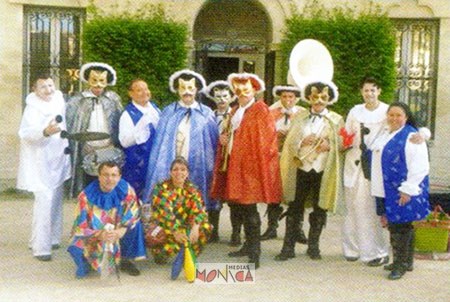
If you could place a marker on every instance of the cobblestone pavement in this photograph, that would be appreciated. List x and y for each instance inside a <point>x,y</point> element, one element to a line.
<point>23,278</point>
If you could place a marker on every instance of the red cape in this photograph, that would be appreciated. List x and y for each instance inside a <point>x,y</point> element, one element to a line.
<point>253,173</point>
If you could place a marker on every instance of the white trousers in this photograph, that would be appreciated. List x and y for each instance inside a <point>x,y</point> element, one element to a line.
<point>47,225</point>
<point>362,234</point>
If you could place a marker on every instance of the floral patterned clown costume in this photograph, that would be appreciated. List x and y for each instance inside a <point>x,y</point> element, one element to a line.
<point>178,209</point>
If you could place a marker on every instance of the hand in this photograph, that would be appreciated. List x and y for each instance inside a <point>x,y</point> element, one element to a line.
<point>108,236</point>
<point>324,146</point>
<point>404,199</point>
<point>282,133</point>
<point>180,237</point>
<point>383,221</point>
<point>112,235</point>
<point>416,138</point>
<point>309,140</point>
<point>193,236</point>
<point>52,128</point>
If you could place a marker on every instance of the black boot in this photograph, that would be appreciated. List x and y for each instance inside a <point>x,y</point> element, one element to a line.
<point>317,221</point>
<point>246,247</point>
<point>236,225</point>
<point>401,237</point>
<point>410,252</point>
<point>244,251</point>
<point>301,237</point>
<point>409,260</point>
<point>290,237</point>
<point>273,213</point>
<point>128,267</point>
<point>252,227</point>
<point>213,217</point>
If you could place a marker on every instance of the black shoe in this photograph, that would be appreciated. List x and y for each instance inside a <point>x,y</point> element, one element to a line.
<point>240,253</point>
<point>270,233</point>
<point>159,259</point>
<point>254,260</point>
<point>44,258</point>
<point>351,259</point>
<point>55,246</point>
<point>378,261</point>
<point>235,240</point>
<point>301,237</point>
<point>390,267</point>
<point>313,254</point>
<point>129,268</point>
<point>283,256</point>
<point>396,274</point>
<point>214,238</point>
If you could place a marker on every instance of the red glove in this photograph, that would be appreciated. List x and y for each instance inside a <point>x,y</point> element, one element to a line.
<point>346,137</point>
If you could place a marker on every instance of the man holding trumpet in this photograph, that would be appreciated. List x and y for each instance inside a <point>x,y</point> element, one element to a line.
<point>310,164</point>
<point>251,174</point>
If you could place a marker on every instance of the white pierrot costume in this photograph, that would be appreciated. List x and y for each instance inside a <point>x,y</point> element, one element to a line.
<point>362,234</point>
<point>43,168</point>
<point>43,163</point>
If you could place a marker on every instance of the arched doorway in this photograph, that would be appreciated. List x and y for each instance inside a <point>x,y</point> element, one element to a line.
<point>233,36</point>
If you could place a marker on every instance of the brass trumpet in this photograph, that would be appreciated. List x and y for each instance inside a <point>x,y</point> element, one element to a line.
<point>309,152</point>
<point>228,129</point>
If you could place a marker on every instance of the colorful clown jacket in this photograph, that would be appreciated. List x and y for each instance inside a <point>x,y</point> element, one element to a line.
<point>178,209</point>
<point>96,209</point>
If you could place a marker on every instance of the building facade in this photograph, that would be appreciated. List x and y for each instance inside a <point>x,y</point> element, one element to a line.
<point>225,36</point>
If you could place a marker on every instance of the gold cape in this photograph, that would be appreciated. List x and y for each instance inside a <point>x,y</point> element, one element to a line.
<point>331,184</point>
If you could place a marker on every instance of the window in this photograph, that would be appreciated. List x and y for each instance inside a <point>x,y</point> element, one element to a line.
<point>416,60</point>
<point>52,45</point>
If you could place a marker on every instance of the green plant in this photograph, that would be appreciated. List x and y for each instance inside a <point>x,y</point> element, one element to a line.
<point>141,44</point>
<point>361,44</point>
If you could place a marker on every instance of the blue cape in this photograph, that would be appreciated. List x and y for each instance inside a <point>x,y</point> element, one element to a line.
<point>204,135</point>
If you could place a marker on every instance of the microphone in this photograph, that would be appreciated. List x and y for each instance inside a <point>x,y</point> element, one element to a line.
<point>59,118</point>
<point>64,134</point>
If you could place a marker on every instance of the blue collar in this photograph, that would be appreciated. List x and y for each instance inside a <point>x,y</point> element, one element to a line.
<point>109,200</point>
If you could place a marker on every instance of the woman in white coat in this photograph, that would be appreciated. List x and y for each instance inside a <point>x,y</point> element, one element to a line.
<point>44,166</point>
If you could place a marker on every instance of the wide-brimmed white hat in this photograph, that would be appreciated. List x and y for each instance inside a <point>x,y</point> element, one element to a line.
<point>86,69</point>
<point>186,74</point>
<point>257,83</point>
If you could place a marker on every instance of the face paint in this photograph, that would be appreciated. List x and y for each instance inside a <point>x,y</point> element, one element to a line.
<point>98,79</point>
<point>244,88</point>
<point>222,96</point>
<point>45,89</point>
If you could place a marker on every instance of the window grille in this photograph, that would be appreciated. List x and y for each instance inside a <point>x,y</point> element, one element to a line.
<point>52,45</point>
<point>416,61</point>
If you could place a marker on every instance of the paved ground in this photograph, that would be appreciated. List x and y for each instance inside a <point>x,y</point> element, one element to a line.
<point>23,278</point>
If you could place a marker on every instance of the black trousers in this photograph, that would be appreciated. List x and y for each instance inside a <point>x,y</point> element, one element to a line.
<point>307,185</point>
<point>402,242</point>
<point>252,228</point>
